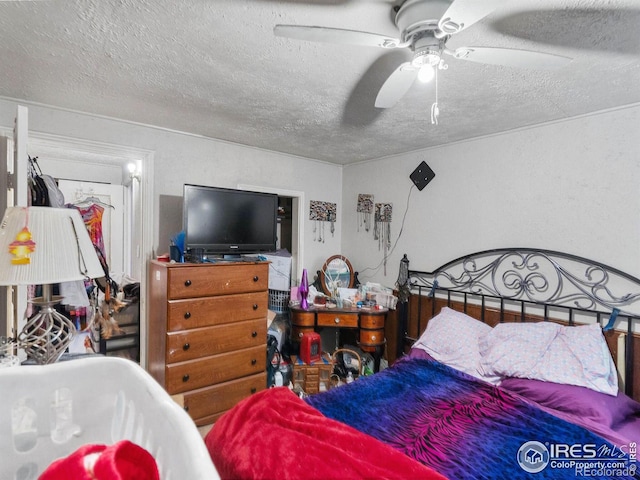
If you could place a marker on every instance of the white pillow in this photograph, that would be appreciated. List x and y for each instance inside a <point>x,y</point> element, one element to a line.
<point>550,352</point>
<point>451,337</point>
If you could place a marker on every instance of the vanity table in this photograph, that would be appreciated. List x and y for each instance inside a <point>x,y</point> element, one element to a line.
<point>368,321</point>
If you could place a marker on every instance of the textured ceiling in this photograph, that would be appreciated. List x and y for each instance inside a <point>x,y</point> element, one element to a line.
<point>215,68</point>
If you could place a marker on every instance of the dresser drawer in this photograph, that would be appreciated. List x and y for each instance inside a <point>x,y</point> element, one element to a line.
<point>201,342</point>
<point>209,311</point>
<point>371,321</point>
<point>199,281</point>
<point>303,319</point>
<point>335,319</point>
<point>371,337</point>
<point>203,372</point>
<point>209,401</point>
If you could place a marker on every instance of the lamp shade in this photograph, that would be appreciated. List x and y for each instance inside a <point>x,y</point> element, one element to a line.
<point>43,245</point>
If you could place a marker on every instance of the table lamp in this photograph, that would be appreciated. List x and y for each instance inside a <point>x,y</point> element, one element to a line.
<point>45,246</point>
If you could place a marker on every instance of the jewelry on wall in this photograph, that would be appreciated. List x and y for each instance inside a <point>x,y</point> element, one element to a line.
<point>320,213</point>
<point>364,209</point>
<point>382,228</point>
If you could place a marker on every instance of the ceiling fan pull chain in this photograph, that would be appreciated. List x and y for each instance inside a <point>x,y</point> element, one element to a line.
<point>435,111</point>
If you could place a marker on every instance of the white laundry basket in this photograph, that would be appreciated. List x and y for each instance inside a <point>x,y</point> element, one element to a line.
<point>48,411</point>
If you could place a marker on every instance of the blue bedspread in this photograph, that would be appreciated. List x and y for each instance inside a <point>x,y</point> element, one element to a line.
<point>466,428</point>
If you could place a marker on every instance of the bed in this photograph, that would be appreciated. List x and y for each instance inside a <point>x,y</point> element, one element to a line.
<point>517,363</point>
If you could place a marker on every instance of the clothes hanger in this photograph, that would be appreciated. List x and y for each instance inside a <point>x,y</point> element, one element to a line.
<point>94,201</point>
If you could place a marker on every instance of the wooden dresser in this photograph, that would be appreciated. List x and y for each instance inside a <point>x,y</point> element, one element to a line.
<point>207,333</point>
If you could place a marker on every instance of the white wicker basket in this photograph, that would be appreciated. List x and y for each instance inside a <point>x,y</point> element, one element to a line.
<point>279,300</point>
<point>49,411</point>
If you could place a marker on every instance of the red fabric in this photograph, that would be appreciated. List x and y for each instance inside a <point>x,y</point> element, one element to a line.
<point>275,435</point>
<point>121,461</point>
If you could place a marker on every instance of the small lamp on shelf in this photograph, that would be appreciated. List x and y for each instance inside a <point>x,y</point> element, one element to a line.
<point>45,246</point>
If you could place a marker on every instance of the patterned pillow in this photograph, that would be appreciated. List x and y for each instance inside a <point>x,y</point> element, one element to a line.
<point>451,337</point>
<point>551,352</point>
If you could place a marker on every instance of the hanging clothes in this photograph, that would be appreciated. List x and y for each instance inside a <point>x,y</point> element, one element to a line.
<point>75,292</point>
<point>39,194</point>
<point>92,217</point>
<point>44,191</point>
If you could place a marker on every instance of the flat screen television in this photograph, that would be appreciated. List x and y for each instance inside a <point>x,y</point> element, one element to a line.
<point>224,221</point>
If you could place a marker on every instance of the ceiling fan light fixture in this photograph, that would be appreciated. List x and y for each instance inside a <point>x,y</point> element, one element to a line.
<point>426,51</point>
<point>426,73</point>
<point>425,57</point>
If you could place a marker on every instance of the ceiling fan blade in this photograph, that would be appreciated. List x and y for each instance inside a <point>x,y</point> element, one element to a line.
<point>511,57</point>
<point>335,35</point>
<point>395,87</point>
<point>462,14</point>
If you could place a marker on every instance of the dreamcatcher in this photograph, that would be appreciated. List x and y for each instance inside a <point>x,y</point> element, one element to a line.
<point>382,228</point>
<point>364,209</point>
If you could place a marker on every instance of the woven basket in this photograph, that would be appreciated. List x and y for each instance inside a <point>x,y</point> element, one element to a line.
<point>335,378</point>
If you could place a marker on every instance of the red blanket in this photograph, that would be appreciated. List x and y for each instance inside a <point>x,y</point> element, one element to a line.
<point>275,435</point>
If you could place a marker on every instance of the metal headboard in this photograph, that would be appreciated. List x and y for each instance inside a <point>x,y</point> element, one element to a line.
<point>518,278</point>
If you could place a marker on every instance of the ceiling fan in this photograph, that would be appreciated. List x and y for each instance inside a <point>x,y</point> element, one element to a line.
<point>425,26</point>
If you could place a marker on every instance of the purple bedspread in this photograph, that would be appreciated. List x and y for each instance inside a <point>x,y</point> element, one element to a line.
<point>466,428</point>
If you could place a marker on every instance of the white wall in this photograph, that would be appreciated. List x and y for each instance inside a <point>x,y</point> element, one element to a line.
<point>571,186</point>
<point>182,158</point>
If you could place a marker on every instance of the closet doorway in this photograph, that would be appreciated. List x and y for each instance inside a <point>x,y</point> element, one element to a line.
<point>115,175</point>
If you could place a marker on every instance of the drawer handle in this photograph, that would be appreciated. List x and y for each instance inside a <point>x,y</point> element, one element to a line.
<point>254,361</point>
<point>186,346</point>
<point>187,283</point>
<point>255,306</point>
<point>256,278</point>
<point>186,408</point>
<point>254,389</point>
<point>337,320</point>
<point>185,378</point>
<point>300,334</point>
<point>373,337</point>
<point>254,334</point>
<point>187,315</point>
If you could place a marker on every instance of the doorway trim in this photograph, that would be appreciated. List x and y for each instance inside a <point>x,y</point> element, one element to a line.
<point>91,153</point>
<point>297,247</point>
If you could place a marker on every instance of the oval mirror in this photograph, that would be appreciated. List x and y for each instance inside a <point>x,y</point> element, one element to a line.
<point>336,272</point>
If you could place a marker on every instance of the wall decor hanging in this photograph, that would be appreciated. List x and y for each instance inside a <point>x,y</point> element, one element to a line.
<point>322,212</point>
<point>382,228</point>
<point>365,210</point>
